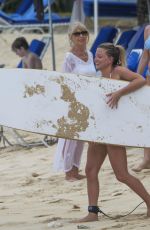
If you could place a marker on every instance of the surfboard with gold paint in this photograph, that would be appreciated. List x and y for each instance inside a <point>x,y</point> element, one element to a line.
<point>74,107</point>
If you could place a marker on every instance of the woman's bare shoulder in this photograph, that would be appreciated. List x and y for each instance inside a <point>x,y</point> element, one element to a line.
<point>120,69</point>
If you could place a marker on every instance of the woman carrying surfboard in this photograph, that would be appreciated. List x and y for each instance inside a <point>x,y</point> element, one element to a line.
<point>110,60</point>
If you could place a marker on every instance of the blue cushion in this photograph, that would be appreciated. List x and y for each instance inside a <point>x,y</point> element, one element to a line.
<point>36,47</point>
<point>111,8</point>
<point>133,59</point>
<point>125,38</point>
<point>137,41</point>
<point>106,34</point>
<point>23,6</point>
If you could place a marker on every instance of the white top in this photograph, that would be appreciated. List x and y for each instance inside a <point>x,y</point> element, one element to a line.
<point>73,64</point>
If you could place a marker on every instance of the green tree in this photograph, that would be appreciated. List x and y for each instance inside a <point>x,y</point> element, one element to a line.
<point>142,12</point>
<point>63,5</point>
<point>10,5</point>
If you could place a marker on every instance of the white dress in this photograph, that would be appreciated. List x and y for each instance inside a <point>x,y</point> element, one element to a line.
<point>68,153</point>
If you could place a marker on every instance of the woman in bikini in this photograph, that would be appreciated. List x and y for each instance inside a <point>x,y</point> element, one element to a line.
<point>110,61</point>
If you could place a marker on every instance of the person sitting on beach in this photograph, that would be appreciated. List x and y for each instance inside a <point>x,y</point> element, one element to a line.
<point>29,60</point>
<point>78,60</point>
<point>145,61</point>
<point>110,61</point>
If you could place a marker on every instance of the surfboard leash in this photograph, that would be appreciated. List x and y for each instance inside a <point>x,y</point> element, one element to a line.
<point>96,210</point>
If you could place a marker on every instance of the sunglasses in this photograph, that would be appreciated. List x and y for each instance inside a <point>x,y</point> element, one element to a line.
<point>83,33</point>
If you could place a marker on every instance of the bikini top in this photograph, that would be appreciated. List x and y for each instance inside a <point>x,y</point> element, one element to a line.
<point>147,43</point>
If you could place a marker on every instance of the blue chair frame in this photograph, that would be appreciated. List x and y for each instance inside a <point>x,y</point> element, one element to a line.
<point>29,17</point>
<point>133,59</point>
<point>106,34</point>
<point>125,38</point>
<point>137,41</point>
<point>108,8</point>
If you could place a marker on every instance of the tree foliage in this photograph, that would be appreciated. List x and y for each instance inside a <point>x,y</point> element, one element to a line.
<point>142,12</point>
<point>58,5</point>
<point>66,6</point>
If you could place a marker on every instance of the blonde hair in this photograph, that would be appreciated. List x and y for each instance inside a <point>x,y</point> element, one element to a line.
<point>117,52</point>
<point>77,26</point>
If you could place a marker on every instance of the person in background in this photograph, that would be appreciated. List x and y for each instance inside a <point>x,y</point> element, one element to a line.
<point>144,62</point>
<point>110,61</point>
<point>29,60</point>
<point>77,60</point>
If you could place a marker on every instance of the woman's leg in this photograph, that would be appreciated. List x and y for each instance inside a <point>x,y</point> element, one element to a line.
<point>77,160</point>
<point>72,159</point>
<point>118,160</point>
<point>95,158</point>
<point>145,164</point>
<point>72,153</point>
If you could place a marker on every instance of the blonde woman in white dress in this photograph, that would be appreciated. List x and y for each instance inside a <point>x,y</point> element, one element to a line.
<point>78,60</point>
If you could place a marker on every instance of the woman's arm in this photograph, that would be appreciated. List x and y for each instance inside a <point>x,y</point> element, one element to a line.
<point>136,82</point>
<point>145,55</point>
<point>68,64</point>
<point>143,61</point>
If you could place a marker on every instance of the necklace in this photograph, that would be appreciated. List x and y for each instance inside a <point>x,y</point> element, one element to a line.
<point>83,55</point>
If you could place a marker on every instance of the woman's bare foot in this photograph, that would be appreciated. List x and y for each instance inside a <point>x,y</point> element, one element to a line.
<point>80,176</point>
<point>75,178</point>
<point>70,179</point>
<point>89,218</point>
<point>143,165</point>
<point>74,175</point>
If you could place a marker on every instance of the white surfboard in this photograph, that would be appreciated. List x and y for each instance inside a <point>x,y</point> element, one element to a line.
<point>73,106</point>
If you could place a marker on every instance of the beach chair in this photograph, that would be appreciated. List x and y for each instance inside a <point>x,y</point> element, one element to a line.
<point>137,41</point>
<point>39,48</point>
<point>21,9</point>
<point>106,34</point>
<point>29,19</point>
<point>111,8</point>
<point>36,46</point>
<point>125,38</point>
<point>133,59</point>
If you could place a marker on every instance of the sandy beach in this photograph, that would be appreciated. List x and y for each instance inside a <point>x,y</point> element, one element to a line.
<point>34,197</point>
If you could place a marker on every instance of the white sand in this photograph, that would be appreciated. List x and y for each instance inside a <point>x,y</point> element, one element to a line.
<point>33,197</point>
